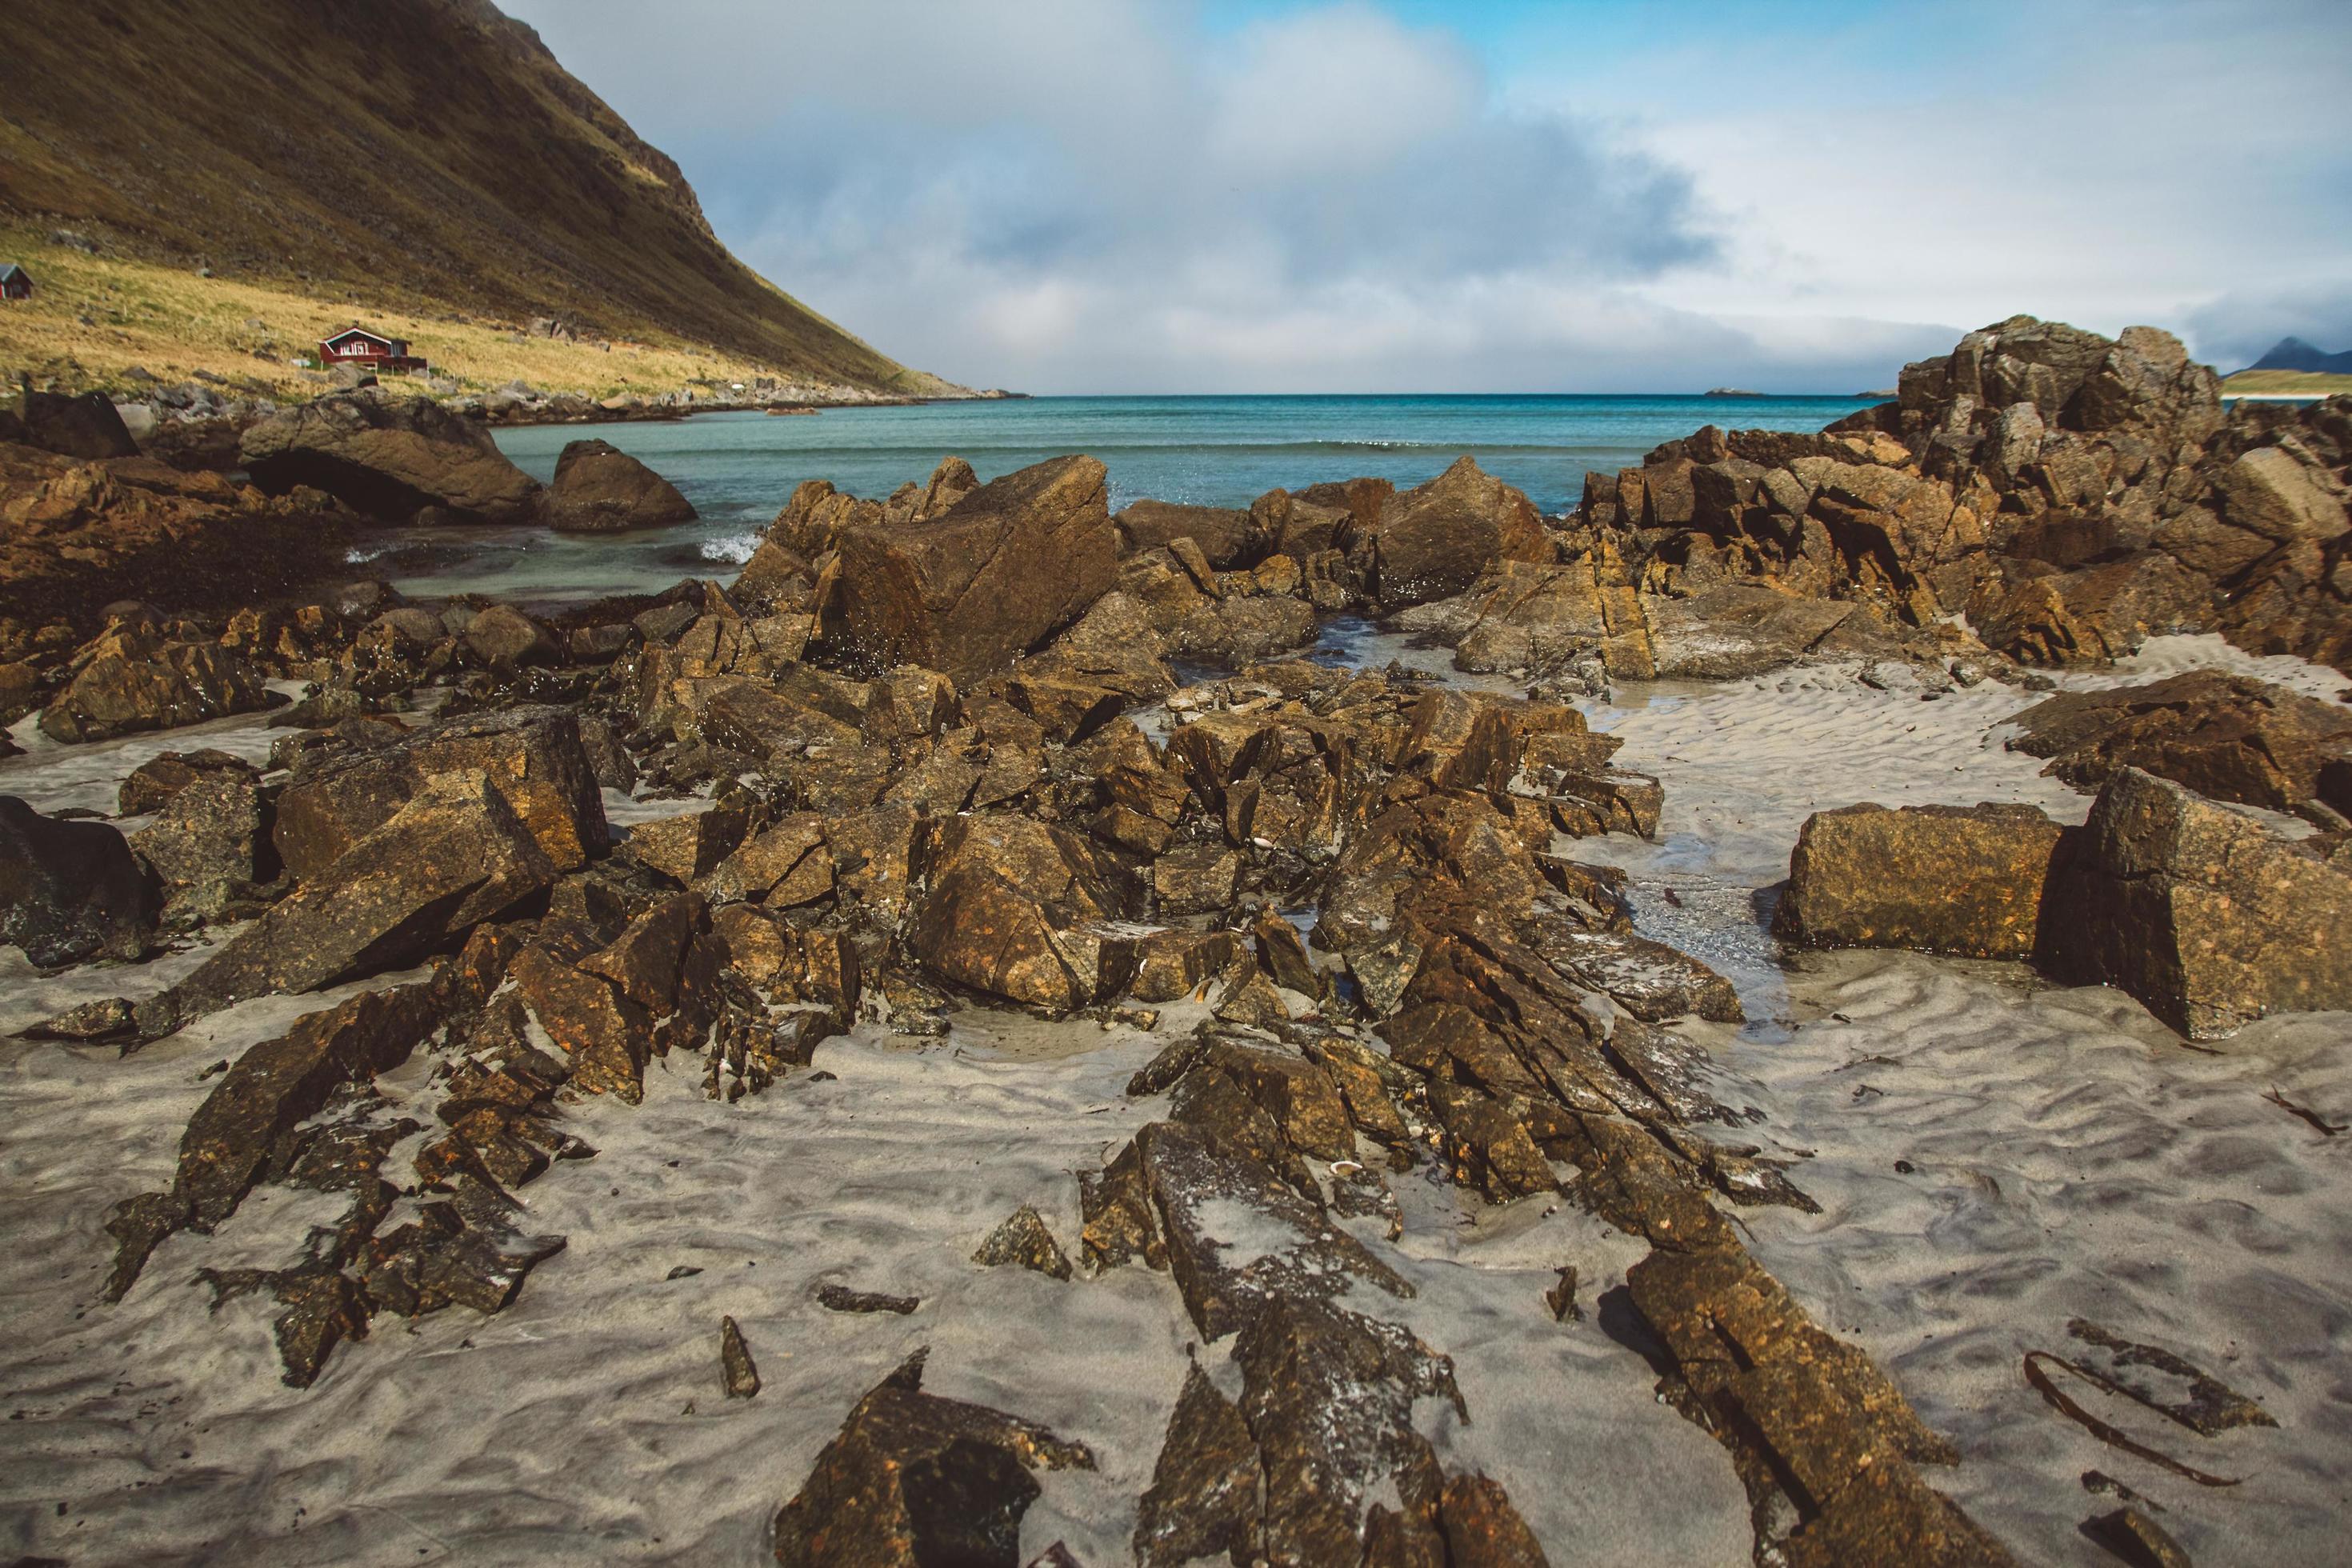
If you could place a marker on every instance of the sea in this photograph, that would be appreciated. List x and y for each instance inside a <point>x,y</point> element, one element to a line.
<point>738,469</point>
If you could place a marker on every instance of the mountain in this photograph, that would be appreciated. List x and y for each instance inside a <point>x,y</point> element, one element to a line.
<point>417,156</point>
<point>2294,353</point>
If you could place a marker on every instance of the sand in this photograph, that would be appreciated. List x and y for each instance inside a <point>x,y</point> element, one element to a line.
<point>2070,1157</point>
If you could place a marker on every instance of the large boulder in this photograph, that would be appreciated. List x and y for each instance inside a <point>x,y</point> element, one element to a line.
<point>533,757</point>
<point>454,856</point>
<point>2225,736</point>
<point>993,575</point>
<point>1435,541</point>
<point>388,458</point>
<point>1937,878</point>
<point>69,891</point>
<point>599,488</point>
<point>2200,913</point>
<point>208,846</point>
<point>84,427</point>
<point>1021,911</point>
<point>133,680</point>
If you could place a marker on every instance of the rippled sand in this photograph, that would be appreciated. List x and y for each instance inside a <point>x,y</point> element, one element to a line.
<point>2069,1157</point>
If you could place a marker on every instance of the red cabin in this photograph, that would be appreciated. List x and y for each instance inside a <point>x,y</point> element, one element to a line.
<point>15,283</point>
<point>369,351</point>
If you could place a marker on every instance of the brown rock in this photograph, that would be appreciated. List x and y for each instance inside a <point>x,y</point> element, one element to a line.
<point>1226,538</point>
<point>1938,879</point>
<point>147,786</point>
<point>2225,736</point>
<point>2204,915</point>
<point>600,488</point>
<point>389,458</point>
<point>533,757</point>
<point>455,856</point>
<point>1203,1498</point>
<point>1023,1239</point>
<point>737,1372</point>
<point>1435,540</point>
<point>132,680</point>
<point>913,1480</point>
<point>992,576</point>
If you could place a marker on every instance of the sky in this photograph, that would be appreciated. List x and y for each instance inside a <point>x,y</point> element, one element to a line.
<point>1518,195</point>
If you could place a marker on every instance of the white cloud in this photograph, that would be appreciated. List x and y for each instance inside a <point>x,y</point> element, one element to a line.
<point>1112,196</point>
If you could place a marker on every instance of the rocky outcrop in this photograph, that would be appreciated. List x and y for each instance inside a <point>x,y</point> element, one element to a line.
<point>532,756</point>
<point>145,674</point>
<point>1937,878</point>
<point>1021,911</point>
<point>599,488</point>
<point>76,537</point>
<point>2224,736</point>
<point>454,856</point>
<point>388,458</point>
<point>992,576</point>
<point>69,891</point>
<point>2071,494</point>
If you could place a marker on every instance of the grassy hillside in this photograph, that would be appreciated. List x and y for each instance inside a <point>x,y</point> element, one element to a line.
<point>399,162</point>
<point>2275,381</point>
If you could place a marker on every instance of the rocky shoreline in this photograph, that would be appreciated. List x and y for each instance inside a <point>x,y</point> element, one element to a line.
<point>985,756</point>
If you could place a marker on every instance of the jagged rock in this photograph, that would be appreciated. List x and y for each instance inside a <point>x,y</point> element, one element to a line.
<point>1017,909</point>
<point>208,845</point>
<point>532,756</point>
<point>389,458</point>
<point>689,846</point>
<point>2204,915</point>
<point>1328,1395</point>
<point>70,892</point>
<point>147,786</point>
<point>1204,1499</point>
<point>1940,878</point>
<point>453,856</point>
<point>132,680</point>
<point>1023,1239</point>
<point>989,577</point>
<point>1435,540</point>
<point>599,488</point>
<point>913,1480</point>
<point>1197,1189</point>
<point>737,1373</point>
<point>2225,736</point>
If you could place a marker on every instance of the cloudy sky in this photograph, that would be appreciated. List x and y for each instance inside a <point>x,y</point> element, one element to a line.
<point>1255,195</point>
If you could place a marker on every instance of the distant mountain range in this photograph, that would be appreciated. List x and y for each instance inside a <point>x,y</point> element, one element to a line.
<point>2294,353</point>
<point>424,154</point>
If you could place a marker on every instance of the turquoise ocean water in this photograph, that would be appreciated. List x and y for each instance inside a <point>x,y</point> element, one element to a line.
<point>738,469</point>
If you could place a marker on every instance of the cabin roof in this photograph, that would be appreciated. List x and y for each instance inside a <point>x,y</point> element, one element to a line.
<point>359,332</point>
<point>11,272</point>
